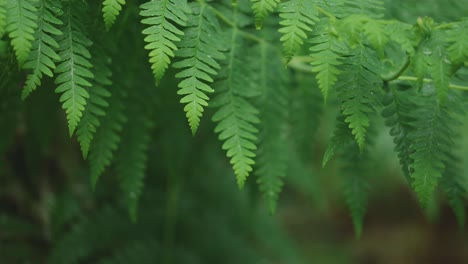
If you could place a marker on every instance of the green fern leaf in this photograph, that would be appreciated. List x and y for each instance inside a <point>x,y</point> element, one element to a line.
<point>73,71</point>
<point>43,53</point>
<point>372,8</point>
<point>397,113</point>
<point>200,53</point>
<point>21,24</point>
<point>326,53</point>
<point>298,17</point>
<point>132,155</point>
<point>430,142</point>
<point>236,117</point>
<point>458,39</point>
<point>453,185</point>
<point>162,18</point>
<point>110,10</point>
<point>261,9</point>
<point>272,159</point>
<point>358,89</point>
<point>107,137</point>
<point>341,138</point>
<point>97,102</point>
<point>375,31</point>
<point>3,17</point>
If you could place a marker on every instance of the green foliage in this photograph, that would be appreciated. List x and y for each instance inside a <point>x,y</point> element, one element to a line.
<point>269,79</point>
<point>73,71</point>
<point>200,55</point>
<point>43,54</point>
<point>110,10</point>
<point>298,16</point>
<point>162,18</point>
<point>21,24</point>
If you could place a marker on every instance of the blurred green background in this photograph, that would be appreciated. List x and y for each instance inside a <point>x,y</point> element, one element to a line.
<point>196,214</point>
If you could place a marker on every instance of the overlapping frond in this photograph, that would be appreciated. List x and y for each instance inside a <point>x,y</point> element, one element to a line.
<point>373,8</point>
<point>163,19</point>
<point>298,17</point>
<point>458,42</point>
<point>131,157</point>
<point>43,55</point>
<point>261,9</point>
<point>272,155</point>
<point>236,117</point>
<point>21,24</point>
<point>358,90</point>
<point>326,53</point>
<point>110,10</point>
<point>454,186</point>
<point>73,71</point>
<point>107,137</point>
<point>200,52</point>
<point>397,113</point>
<point>431,142</point>
<point>97,103</point>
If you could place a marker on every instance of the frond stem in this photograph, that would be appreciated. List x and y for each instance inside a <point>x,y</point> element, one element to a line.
<point>426,80</point>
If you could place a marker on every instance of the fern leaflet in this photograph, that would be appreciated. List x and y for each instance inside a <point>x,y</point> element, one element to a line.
<point>453,185</point>
<point>73,71</point>
<point>272,159</point>
<point>430,142</point>
<point>298,16</point>
<point>110,10</point>
<point>236,117</point>
<point>162,18</point>
<point>200,53</point>
<point>326,52</point>
<point>261,8</point>
<point>131,157</point>
<point>107,137</point>
<point>97,102</point>
<point>21,24</point>
<point>43,54</point>
<point>458,39</point>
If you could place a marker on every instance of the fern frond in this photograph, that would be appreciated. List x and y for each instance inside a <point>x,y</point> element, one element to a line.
<point>73,71</point>
<point>110,10</point>
<point>3,17</point>
<point>97,102</point>
<point>430,142</point>
<point>107,137</point>
<point>261,9</point>
<point>439,66</point>
<point>326,53</point>
<point>236,117</point>
<point>374,29</point>
<point>272,156</point>
<point>372,8</point>
<point>200,53</point>
<point>341,138</point>
<point>43,54</point>
<point>458,39</point>
<point>298,17</point>
<point>132,155</point>
<point>162,18</point>
<point>397,113</point>
<point>21,24</point>
<point>358,90</point>
<point>453,185</point>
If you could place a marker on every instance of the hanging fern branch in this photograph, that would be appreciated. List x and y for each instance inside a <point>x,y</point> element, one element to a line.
<point>73,71</point>
<point>200,51</point>
<point>21,24</point>
<point>110,10</point>
<point>431,142</point>
<point>272,160</point>
<point>453,185</point>
<point>236,117</point>
<point>43,55</point>
<point>458,41</point>
<point>162,18</point>
<point>298,17</point>
<point>97,102</point>
<point>107,137</point>
<point>131,157</point>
